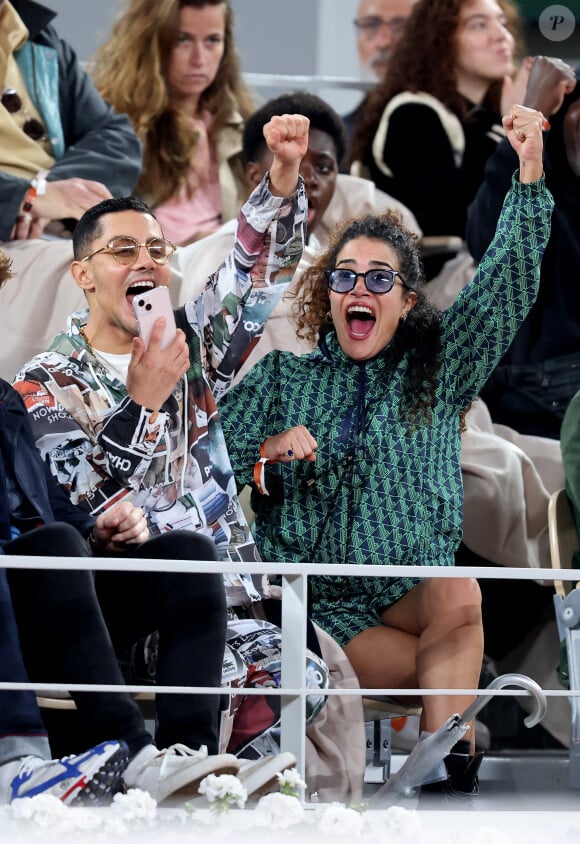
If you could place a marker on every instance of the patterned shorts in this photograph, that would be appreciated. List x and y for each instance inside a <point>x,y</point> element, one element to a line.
<point>345,606</point>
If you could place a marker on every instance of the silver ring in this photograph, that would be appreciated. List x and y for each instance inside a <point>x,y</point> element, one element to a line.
<point>24,218</point>
<point>290,453</point>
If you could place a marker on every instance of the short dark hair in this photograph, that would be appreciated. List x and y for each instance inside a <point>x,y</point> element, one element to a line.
<point>89,228</point>
<point>321,115</point>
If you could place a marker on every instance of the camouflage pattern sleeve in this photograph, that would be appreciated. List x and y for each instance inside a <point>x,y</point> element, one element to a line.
<point>239,297</point>
<point>97,449</point>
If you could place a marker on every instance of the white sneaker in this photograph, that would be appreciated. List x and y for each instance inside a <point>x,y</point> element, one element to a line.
<point>176,771</point>
<point>258,776</point>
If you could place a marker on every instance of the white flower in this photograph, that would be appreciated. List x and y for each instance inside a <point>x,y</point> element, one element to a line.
<point>223,791</point>
<point>115,827</point>
<point>43,810</point>
<point>402,824</point>
<point>336,819</point>
<point>489,835</point>
<point>278,811</point>
<point>290,782</point>
<point>6,816</point>
<point>83,819</point>
<point>135,805</point>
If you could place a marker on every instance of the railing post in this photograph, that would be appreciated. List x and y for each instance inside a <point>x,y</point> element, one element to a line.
<point>293,707</point>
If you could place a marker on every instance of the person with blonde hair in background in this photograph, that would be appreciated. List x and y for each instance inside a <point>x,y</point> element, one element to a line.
<point>173,68</point>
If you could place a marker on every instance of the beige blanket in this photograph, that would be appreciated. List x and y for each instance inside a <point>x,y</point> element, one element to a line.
<point>335,742</point>
<point>508,479</point>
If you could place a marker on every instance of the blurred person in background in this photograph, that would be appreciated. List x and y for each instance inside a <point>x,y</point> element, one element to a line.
<point>379,25</point>
<point>173,68</point>
<point>450,80</point>
<point>63,149</point>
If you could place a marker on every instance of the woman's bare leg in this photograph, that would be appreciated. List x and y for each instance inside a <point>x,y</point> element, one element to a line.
<point>432,638</point>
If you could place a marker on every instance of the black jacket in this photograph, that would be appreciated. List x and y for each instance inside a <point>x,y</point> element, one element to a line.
<point>552,328</point>
<point>36,483</point>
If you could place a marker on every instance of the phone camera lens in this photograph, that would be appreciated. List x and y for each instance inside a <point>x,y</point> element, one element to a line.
<point>148,306</point>
<point>140,303</point>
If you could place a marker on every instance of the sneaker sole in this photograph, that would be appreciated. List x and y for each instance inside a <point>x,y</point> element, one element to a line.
<point>105,782</point>
<point>261,777</point>
<point>212,765</point>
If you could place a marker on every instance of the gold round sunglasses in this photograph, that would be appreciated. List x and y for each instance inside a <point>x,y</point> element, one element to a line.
<point>125,249</point>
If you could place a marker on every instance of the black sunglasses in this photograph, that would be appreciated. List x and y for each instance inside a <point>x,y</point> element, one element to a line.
<point>377,281</point>
<point>12,102</point>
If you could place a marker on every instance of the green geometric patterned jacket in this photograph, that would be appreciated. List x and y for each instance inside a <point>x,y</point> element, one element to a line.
<point>378,492</point>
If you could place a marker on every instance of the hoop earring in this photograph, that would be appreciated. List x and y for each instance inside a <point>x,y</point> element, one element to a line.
<point>328,317</point>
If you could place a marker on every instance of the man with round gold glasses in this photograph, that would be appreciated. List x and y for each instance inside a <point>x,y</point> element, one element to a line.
<point>125,249</point>
<point>116,419</point>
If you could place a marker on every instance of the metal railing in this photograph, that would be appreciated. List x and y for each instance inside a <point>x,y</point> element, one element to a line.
<point>309,83</point>
<point>294,611</point>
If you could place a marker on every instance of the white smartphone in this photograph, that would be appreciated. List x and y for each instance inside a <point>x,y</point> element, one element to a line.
<point>151,305</point>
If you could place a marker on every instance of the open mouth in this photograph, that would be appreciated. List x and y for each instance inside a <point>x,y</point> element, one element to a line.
<point>138,288</point>
<point>360,321</point>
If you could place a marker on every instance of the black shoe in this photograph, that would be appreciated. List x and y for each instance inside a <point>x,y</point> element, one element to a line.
<point>460,788</point>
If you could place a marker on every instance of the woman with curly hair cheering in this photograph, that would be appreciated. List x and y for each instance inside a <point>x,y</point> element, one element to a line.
<point>354,448</point>
<point>171,65</point>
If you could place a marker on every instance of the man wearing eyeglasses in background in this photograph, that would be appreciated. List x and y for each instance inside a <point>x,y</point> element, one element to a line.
<point>62,150</point>
<point>379,25</point>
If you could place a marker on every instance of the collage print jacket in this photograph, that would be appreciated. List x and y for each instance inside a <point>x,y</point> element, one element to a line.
<point>104,448</point>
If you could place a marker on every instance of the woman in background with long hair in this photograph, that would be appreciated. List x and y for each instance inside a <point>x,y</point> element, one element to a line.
<point>449,81</point>
<point>172,67</point>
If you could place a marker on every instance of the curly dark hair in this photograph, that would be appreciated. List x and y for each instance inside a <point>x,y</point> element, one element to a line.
<point>424,60</point>
<point>418,338</point>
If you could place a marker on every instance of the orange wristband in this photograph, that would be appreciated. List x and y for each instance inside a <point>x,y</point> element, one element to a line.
<point>259,475</point>
<point>36,188</point>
